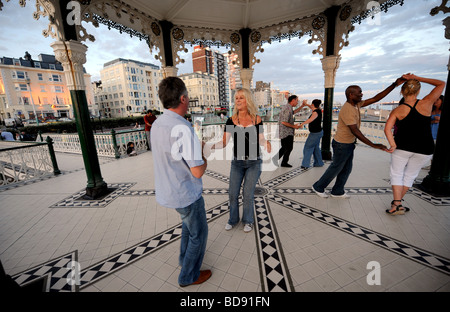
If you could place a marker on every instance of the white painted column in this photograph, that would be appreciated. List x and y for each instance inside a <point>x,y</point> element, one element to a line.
<point>169,71</point>
<point>246,77</point>
<point>330,65</point>
<point>72,55</point>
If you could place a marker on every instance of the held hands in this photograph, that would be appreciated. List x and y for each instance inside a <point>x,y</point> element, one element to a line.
<point>381,147</point>
<point>407,77</point>
<point>392,149</point>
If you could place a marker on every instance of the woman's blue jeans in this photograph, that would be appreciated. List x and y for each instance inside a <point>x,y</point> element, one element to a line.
<point>312,148</point>
<point>340,168</point>
<point>244,172</point>
<point>194,236</point>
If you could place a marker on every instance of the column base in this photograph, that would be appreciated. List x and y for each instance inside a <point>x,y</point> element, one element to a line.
<point>97,192</point>
<point>435,187</point>
<point>327,155</point>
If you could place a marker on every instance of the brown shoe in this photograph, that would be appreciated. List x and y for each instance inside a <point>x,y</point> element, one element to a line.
<point>204,276</point>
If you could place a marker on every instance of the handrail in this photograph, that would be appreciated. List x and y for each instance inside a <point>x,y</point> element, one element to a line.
<point>31,144</point>
<point>29,161</point>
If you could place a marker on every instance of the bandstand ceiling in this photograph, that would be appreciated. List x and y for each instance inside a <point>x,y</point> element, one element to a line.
<point>231,14</point>
<point>223,22</point>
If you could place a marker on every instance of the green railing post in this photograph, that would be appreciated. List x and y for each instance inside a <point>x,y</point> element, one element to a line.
<point>51,150</point>
<point>116,148</point>
<point>40,135</point>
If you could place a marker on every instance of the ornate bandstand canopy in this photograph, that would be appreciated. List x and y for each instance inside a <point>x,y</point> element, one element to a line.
<point>240,25</point>
<point>169,26</point>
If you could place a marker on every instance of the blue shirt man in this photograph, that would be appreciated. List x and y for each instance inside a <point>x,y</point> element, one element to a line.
<point>178,167</point>
<point>178,149</point>
<point>7,136</point>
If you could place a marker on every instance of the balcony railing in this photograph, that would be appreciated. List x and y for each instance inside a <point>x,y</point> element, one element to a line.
<point>21,162</point>
<point>114,144</point>
<point>373,130</point>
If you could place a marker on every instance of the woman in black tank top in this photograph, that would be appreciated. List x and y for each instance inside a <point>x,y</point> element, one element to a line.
<point>312,144</point>
<point>413,145</point>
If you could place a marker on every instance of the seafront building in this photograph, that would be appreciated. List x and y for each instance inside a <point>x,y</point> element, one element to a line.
<point>127,87</point>
<point>31,89</point>
<point>203,91</point>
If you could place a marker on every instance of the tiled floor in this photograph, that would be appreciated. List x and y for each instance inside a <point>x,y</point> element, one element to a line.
<point>128,243</point>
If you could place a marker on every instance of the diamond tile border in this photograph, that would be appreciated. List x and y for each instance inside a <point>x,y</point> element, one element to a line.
<point>122,259</point>
<point>274,272</point>
<point>74,201</point>
<point>55,271</point>
<point>206,191</point>
<point>421,256</point>
<point>436,201</point>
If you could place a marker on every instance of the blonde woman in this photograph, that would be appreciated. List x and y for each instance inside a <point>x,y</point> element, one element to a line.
<point>246,129</point>
<point>413,145</point>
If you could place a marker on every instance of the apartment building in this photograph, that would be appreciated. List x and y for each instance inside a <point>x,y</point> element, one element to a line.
<point>31,89</point>
<point>214,63</point>
<point>203,92</point>
<point>127,87</point>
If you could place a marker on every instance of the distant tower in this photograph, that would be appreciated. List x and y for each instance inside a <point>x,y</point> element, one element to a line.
<point>214,63</point>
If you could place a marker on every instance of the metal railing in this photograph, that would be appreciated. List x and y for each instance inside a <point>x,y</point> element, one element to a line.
<point>20,161</point>
<point>373,130</point>
<point>114,144</point>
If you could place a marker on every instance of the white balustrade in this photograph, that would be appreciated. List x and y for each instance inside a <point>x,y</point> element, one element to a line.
<point>23,162</point>
<point>70,143</point>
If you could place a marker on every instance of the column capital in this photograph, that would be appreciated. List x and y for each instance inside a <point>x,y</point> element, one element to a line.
<point>330,65</point>
<point>169,71</point>
<point>72,55</point>
<point>246,77</point>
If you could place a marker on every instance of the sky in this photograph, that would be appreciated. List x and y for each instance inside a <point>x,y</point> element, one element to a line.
<point>407,39</point>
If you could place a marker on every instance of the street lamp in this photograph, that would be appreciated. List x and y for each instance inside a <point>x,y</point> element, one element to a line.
<point>32,102</point>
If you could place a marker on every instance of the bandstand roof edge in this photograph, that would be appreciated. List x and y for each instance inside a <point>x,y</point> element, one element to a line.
<point>218,22</point>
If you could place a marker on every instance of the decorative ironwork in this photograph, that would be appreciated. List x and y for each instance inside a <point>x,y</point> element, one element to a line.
<point>318,22</point>
<point>121,28</point>
<point>156,29</point>
<point>208,43</point>
<point>255,36</point>
<point>21,162</point>
<point>345,13</point>
<point>292,34</point>
<point>376,9</point>
<point>443,7</point>
<point>235,38</point>
<point>70,143</point>
<point>178,34</point>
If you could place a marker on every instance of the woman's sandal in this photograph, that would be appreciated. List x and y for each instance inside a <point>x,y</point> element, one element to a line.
<point>406,208</point>
<point>399,209</point>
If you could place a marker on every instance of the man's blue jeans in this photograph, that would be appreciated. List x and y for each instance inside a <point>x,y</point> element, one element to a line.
<point>340,168</point>
<point>312,148</point>
<point>193,241</point>
<point>249,172</point>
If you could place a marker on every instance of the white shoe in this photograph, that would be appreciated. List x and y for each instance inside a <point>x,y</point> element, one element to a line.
<point>228,227</point>
<point>344,196</point>
<point>323,195</point>
<point>248,227</point>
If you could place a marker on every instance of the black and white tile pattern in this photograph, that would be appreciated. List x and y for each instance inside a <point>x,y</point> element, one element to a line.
<point>414,253</point>
<point>76,200</point>
<point>274,269</point>
<point>60,274</point>
<point>275,274</point>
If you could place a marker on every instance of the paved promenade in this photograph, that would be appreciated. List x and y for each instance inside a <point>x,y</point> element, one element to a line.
<point>126,242</point>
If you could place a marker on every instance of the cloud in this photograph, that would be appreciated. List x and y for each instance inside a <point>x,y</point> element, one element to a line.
<point>408,39</point>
